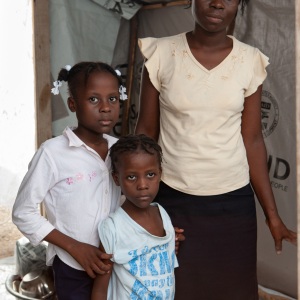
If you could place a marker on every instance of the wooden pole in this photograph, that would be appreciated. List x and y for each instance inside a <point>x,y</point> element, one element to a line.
<point>297,51</point>
<point>166,4</point>
<point>130,73</point>
<point>42,74</point>
<point>42,70</point>
<point>132,54</point>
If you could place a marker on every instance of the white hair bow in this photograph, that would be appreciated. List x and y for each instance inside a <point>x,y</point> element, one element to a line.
<point>123,95</point>
<point>57,84</point>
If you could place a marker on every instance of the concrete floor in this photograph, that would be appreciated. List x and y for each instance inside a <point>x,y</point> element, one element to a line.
<point>7,268</point>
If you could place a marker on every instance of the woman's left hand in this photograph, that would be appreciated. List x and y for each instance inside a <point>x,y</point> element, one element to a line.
<point>280,232</point>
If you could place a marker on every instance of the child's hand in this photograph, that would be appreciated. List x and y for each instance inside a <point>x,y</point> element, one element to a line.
<point>179,237</point>
<point>91,259</point>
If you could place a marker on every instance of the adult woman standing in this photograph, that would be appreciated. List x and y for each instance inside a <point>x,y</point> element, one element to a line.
<point>200,98</point>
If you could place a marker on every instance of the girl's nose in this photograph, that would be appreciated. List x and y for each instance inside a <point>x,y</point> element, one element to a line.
<point>142,184</point>
<point>217,4</point>
<point>105,107</point>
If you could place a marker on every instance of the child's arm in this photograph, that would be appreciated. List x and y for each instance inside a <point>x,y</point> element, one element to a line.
<point>26,216</point>
<point>101,282</point>
<point>88,256</point>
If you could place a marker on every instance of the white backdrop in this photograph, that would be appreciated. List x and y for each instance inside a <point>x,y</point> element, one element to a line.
<point>17,108</point>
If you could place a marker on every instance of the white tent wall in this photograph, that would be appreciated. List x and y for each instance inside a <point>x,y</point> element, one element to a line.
<point>17,107</point>
<point>158,22</point>
<point>82,30</point>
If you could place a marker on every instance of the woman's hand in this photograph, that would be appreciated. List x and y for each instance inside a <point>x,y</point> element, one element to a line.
<point>179,237</point>
<point>280,232</point>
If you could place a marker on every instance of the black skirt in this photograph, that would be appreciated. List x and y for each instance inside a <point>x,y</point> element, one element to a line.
<point>217,261</point>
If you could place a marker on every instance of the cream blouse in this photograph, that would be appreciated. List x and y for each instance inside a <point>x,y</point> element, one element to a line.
<point>200,113</point>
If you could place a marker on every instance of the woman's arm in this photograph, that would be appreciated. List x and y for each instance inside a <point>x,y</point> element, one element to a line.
<point>101,282</point>
<point>259,176</point>
<point>148,119</point>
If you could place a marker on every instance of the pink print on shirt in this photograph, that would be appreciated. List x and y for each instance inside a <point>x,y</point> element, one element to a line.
<point>79,177</point>
<point>93,175</point>
<point>69,180</point>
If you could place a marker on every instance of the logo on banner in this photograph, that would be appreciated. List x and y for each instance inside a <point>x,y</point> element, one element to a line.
<point>269,113</point>
<point>125,8</point>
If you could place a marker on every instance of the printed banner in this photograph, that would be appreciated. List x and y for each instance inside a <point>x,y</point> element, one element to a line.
<point>270,26</point>
<point>125,8</point>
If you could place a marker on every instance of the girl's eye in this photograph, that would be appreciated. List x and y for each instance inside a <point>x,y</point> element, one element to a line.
<point>93,100</point>
<point>113,99</point>
<point>151,175</point>
<point>131,177</point>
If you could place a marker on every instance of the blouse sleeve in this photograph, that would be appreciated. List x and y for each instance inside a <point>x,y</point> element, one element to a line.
<point>106,231</point>
<point>149,50</point>
<point>38,180</point>
<point>260,62</point>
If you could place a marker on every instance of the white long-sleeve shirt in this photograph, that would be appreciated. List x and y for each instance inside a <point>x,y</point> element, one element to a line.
<point>77,189</point>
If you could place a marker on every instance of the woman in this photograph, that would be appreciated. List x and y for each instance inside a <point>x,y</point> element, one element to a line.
<point>200,98</point>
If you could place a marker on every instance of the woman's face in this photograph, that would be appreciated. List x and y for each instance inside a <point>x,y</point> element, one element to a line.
<point>214,15</point>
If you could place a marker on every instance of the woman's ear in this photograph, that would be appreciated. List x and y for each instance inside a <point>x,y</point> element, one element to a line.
<point>72,104</point>
<point>116,178</point>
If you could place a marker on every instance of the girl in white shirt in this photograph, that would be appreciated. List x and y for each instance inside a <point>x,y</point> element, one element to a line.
<point>71,175</point>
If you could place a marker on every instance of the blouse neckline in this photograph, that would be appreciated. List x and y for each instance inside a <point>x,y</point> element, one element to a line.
<point>223,62</point>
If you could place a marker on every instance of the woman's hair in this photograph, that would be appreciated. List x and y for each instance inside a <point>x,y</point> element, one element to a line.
<point>134,143</point>
<point>79,74</point>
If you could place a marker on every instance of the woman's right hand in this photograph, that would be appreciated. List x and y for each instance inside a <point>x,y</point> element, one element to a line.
<point>280,232</point>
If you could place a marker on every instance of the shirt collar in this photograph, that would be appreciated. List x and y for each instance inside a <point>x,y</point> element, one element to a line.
<point>75,141</point>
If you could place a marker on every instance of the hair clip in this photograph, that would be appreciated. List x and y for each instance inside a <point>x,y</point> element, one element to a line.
<point>122,91</point>
<point>57,84</point>
<point>68,67</point>
<point>118,72</point>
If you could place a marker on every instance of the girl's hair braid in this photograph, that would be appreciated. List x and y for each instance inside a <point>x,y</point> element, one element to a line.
<point>80,73</point>
<point>132,143</point>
